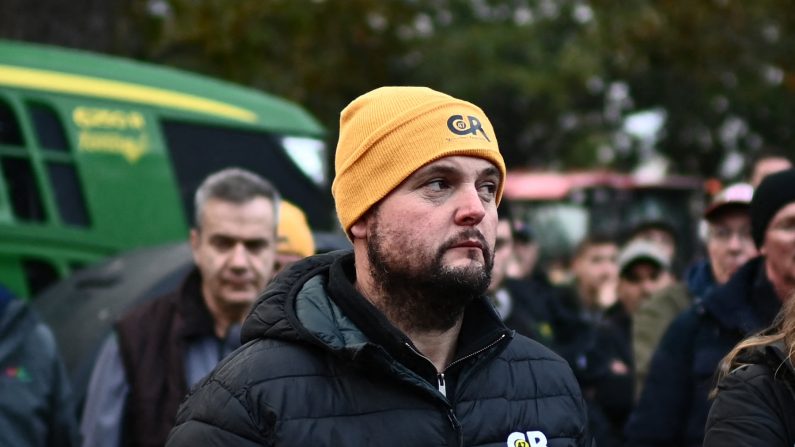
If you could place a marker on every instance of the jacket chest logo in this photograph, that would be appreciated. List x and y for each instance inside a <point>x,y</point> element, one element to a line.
<point>18,373</point>
<point>527,439</point>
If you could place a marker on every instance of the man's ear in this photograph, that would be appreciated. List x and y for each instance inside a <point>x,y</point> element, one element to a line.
<point>195,240</point>
<point>359,228</point>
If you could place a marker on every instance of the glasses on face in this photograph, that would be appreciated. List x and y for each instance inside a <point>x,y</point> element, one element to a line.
<point>725,234</point>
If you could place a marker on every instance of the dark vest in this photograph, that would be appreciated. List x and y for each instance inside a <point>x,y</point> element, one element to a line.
<point>152,341</point>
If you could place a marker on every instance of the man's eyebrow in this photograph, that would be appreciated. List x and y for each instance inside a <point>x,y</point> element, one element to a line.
<point>441,169</point>
<point>222,236</point>
<point>437,170</point>
<point>490,171</point>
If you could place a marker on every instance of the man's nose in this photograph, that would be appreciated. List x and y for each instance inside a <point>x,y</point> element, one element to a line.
<point>470,207</point>
<point>736,241</point>
<point>238,258</point>
<point>647,286</point>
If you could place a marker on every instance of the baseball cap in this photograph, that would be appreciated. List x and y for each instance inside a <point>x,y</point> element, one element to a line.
<point>734,195</point>
<point>640,250</point>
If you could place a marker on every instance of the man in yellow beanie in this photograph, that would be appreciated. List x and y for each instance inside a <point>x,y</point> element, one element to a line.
<point>394,343</point>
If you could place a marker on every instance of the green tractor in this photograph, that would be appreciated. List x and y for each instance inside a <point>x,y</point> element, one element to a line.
<point>100,155</point>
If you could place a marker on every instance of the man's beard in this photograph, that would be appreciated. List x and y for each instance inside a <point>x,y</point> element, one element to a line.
<point>418,292</point>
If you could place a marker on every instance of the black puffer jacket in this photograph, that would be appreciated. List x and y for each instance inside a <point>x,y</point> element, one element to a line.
<point>756,403</point>
<point>308,374</point>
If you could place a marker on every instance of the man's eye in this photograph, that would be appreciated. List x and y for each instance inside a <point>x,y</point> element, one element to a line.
<point>787,225</point>
<point>222,244</point>
<point>256,246</point>
<point>436,185</point>
<point>488,189</point>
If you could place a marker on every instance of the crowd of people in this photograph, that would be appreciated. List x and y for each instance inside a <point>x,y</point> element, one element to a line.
<point>440,326</point>
<point>645,341</point>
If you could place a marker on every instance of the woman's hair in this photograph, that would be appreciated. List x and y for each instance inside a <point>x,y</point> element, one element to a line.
<point>783,328</point>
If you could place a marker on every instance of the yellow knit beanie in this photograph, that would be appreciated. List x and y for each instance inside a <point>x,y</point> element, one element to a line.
<point>294,235</point>
<point>390,132</point>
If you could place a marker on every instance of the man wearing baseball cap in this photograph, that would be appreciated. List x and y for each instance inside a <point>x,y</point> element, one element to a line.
<point>673,406</point>
<point>394,343</point>
<point>727,236</point>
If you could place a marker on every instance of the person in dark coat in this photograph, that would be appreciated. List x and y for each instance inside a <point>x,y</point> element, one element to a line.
<point>37,408</point>
<point>160,348</point>
<point>755,398</point>
<point>395,343</point>
<point>673,406</point>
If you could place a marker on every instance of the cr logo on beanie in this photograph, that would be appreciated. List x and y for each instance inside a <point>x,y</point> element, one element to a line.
<point>458,126</point>
<point>390,132</point>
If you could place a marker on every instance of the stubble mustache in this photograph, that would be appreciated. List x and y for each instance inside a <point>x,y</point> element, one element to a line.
<point>463,237</point>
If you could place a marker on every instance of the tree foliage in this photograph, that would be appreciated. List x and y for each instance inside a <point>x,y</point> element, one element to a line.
<point>720,69</point>
<point>557,77</point>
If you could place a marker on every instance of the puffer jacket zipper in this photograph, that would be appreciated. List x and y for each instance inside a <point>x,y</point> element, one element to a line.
<point>440,376</point>
<point>442,385</point>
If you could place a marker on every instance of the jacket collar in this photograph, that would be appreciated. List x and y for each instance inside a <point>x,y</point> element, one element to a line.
<point>783,362</point>
<point>699,279</point>
<point>747,302</point>
<point>315,300</point>
<point>196,318</point>
<point>774,355</point>
<point>274,315</point>
<point>481,325</point>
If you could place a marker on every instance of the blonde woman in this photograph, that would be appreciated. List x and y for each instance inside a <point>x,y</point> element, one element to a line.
<point>755,398</point>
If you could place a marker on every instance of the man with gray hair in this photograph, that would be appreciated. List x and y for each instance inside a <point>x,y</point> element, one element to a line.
<point>161,348</point>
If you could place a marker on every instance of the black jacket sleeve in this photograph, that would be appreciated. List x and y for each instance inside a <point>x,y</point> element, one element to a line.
<point>746,411</point>
<point>213,417</point>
